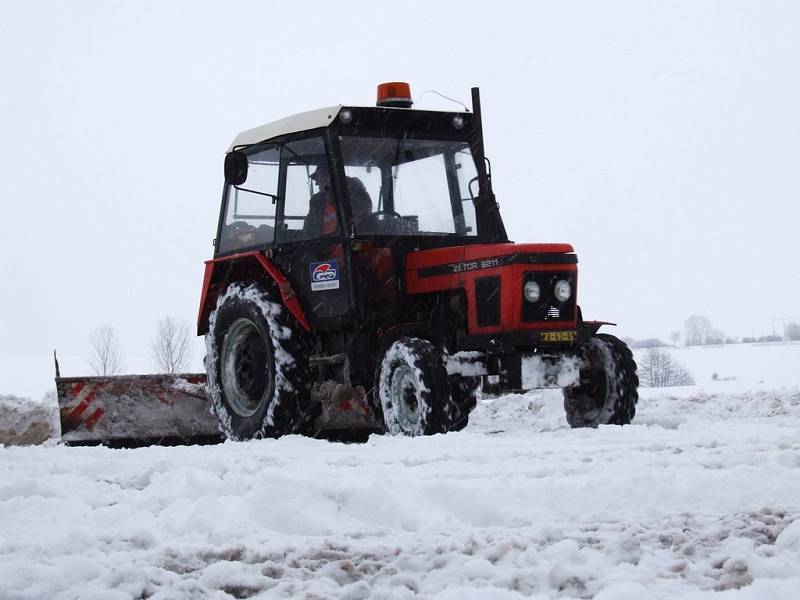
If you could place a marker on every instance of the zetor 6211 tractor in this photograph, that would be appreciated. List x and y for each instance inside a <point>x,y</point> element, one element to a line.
<point>362,280</point>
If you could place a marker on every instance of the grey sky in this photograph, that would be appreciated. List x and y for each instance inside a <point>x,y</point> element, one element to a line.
<point>661,139</point>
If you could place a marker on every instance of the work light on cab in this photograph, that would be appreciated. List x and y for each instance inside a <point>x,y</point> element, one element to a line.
<point>346,116</point>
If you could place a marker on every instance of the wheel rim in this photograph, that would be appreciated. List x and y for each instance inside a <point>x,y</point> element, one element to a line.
<point>245,367</point>
<point>405,398</point>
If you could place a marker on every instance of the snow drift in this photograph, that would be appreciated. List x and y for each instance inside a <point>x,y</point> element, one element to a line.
<point>24,421</point>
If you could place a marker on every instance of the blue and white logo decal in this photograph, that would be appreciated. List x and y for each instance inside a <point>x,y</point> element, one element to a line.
<point>324,275</point>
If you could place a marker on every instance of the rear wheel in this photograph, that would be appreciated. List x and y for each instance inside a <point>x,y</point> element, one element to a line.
<point>256,366</point>
<point>608,389</point>
<point>413,389</point>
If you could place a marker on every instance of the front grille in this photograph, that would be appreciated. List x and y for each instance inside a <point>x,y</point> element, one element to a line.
<point>487,297</point>
<point>548,308</point>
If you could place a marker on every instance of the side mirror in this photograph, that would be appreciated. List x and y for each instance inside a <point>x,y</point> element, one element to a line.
<point>235,167</point>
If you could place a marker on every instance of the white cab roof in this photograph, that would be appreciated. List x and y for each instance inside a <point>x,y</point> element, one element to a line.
<point>299,122</point>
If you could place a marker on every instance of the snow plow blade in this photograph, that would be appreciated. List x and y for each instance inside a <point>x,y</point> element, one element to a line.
<point>136,410</point>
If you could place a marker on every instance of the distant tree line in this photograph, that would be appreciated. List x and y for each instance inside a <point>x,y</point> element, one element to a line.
<point>699,331</point>
<point>657,367</point>
<point>170,349</point>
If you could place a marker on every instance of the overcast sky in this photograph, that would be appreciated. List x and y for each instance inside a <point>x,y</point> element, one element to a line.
<point>661,139</point>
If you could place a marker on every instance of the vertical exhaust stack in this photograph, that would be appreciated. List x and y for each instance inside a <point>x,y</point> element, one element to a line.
<point>487,207</point>
<point>396,94</point>
<point>478,149</point>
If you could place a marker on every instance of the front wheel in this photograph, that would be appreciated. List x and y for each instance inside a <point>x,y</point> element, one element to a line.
<point>413,389</point>
<point>608,388</point>
<point>464,391</point>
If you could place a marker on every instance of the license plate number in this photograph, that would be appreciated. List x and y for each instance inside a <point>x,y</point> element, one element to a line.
<point>557,336</point>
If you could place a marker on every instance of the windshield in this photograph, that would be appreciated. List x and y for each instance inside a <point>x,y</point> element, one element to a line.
<point>414,186</point>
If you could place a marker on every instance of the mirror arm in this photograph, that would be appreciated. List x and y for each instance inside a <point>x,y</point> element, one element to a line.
<point>273,196</point>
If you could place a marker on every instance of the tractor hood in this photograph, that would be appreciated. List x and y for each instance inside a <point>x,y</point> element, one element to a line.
<point>467,259</point>
<point>492,277</point>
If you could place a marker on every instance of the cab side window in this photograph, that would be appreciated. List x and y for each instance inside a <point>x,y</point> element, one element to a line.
<point>308,208</point>
<point>250,208</point>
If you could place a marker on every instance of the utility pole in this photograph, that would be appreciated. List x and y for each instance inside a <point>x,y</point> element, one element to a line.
<point>783,322</point>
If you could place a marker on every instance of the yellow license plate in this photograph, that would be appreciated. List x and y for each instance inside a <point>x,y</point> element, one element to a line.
<point>557,336</point>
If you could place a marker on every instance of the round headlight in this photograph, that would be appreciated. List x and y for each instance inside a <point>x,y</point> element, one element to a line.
<point>563,290</point>
<point>532,291</point>
<point>458,122</point>
<point>346,116</point>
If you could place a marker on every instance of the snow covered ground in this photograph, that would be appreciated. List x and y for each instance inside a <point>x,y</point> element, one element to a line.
<point>699,498</point>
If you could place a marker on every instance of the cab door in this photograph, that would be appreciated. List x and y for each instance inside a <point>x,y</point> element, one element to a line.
<point>309,234</point>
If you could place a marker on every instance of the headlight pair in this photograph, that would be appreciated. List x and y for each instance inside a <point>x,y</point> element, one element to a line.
<point>533,291</point>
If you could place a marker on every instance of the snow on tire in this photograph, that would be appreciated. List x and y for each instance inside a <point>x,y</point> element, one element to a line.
<point>413,389</point>
<point>608,389</point>
<point>255,366</point>
<point>464,391</point>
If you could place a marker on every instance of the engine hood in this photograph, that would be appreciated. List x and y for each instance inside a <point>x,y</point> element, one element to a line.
<point>464,259</point>
<point>492,276</point>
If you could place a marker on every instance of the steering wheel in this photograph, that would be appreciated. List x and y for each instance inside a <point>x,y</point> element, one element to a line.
<point>391,213</point>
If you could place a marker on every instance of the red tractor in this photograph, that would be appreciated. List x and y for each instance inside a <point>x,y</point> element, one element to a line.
<point>362,280</point>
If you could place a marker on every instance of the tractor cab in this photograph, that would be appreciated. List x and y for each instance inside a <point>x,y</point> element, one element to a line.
<point>387,170</point>
<point>340,195</point>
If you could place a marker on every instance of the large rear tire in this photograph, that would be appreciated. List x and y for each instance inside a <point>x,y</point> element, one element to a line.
<point>608,389</point>
<point>413,389</point>
<point>256,366</point>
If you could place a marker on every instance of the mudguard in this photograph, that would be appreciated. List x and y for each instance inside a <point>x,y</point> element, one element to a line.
<point>228,269</point>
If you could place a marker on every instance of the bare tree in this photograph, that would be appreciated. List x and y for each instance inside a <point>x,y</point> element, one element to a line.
<point>658,369</point>
<point>106,358</point>
<point>697,330</point>
<point>715,337</point>
<point>675,338</point>
<point>171,347</point>
<point>792,331</point>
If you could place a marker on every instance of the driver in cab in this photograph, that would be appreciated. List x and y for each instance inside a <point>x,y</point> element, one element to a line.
<point>322,219</point>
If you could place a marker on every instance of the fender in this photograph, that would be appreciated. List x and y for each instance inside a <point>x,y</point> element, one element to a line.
<point>594,326</point>
<point>591,327</point>
<point>222,271</point>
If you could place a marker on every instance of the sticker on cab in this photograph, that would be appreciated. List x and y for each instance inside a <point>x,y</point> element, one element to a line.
<point>324,275</point>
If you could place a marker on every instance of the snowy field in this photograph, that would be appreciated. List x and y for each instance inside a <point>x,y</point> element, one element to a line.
<point>699,498</point>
